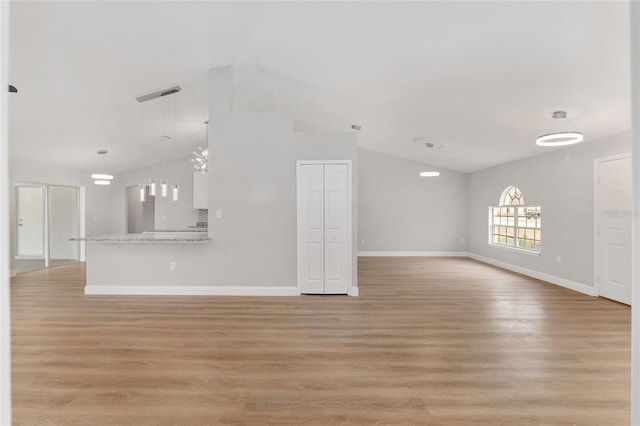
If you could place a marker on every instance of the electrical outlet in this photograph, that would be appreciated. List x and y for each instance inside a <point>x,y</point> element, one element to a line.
<point>463,241</point>
<point>172,266</point>
<point>558,259</point>
<point>361,240</point>
<point>218,214</point>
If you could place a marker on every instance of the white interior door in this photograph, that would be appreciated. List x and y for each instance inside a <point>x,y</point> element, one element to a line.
<point>613,233</point>
<point>337,254</point>
<point>311,228</point>
<point>324,228</point>
<point>30,222</point>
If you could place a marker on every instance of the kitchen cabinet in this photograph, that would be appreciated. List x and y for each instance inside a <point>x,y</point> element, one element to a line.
<point>200,190</point>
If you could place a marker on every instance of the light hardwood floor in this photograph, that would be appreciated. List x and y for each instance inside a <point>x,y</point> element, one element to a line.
<point>430,341</point>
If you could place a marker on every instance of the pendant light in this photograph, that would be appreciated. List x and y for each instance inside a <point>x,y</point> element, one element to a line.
<point>164,188</point>
<point>143,192</point>
<point>433,148</point>
<point>174,192</point>
<point>102,178</point>
<point>161,185</point>
<point>152,187</point>
<point>200,158</point>
<point>559,138</point>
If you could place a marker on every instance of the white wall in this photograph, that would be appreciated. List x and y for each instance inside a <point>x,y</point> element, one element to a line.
<point>399,211</point>
<point>168,214</point>
<point>252,180</point>
<point>635,294</point>
<point>5,301</point>
<point>561,181</point>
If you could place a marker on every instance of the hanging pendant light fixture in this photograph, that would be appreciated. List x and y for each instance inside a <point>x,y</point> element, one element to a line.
<point>174,191</point>
<point>559,138</point>
<point>102,178</point>
<point>152,187</point>
<point>164,188</point>
<point>143,192</point>
<point>200,158</point>
<point>432,147</point>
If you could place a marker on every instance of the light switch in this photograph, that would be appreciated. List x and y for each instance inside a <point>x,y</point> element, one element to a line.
<point>218,214</point>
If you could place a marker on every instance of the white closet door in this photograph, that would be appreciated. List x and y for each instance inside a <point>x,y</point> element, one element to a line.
<point>311,228</point>
<point>614,230</point>
<point>337,268</point>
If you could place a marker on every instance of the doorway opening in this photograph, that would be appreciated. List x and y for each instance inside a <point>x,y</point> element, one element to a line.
<point>47,217</point>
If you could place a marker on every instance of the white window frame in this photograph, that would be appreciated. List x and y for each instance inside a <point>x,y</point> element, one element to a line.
<point>515,226</point>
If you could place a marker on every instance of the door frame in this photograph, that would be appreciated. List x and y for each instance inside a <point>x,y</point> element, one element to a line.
<point>80,221</point>
<point>349,164</point>
<point>596,203</point>
<point>45,212</point>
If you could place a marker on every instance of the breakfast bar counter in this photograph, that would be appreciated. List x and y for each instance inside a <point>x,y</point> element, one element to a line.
<point>186,238</point>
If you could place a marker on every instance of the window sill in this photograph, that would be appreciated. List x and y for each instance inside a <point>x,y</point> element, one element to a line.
<point>516,250</point>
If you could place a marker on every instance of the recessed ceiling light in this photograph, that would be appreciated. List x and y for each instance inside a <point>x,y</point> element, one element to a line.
<point>429,174</point>
<point>102,182</point>
<point>425,143</point>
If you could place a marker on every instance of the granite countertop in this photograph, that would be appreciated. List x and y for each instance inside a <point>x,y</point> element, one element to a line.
<point>199,229</point>
<point>194,238</point>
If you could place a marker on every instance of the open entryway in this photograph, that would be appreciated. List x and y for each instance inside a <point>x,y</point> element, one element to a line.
<point>613,211</point>
<point>47,217</point>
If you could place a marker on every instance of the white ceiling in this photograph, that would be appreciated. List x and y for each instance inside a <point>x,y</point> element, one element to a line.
<point>481,78</point>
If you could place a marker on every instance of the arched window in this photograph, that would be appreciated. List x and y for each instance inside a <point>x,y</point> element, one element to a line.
<point>515,224</point>
<point>511,196</point>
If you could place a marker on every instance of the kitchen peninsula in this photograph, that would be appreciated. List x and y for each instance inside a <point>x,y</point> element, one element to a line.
<point>152,237</point>
<point>155,257</point>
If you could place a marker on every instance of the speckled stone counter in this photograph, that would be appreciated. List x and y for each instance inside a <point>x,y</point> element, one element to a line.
<point>198,229</point>
<point>164,237</point>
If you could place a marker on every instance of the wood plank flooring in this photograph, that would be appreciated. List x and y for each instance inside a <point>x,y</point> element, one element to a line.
<point>430,341</point>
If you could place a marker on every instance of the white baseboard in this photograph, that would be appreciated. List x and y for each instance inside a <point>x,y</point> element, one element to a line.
<point>562,282</point>
<point>412,253</point>
<point>353,291</point>
<point>143,290</point>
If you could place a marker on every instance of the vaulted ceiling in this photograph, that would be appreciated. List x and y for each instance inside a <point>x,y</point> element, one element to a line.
<point>480,78</point>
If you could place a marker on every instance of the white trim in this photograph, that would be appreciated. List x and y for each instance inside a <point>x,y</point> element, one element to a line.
<point>307,162</point>
<point>634,9</point>
<point>5,188</point>
<point>155,290</point>
<point>596,219</point>
<point>82,197</point>
<point>612,157</point>
<point>349,165</point>
<point>412,254</point>
<point>13,273</point>
<point>515,249</point>
<point>562,282</point>
<point>353,291</point>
